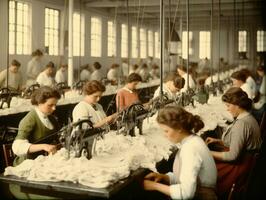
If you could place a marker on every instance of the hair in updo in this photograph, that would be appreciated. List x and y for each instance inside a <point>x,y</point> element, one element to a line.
<point>42,94</point>
<point>93,86</point>
<point>178,118</point>
<point>237,96</point>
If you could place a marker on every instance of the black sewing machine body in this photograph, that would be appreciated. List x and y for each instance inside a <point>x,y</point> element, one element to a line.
<point>80,137</point>
<point>6,96</point>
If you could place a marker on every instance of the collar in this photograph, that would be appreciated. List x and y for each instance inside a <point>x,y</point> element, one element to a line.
<point>40,114</point>
<point>242,115</point>
<point>181,143</point>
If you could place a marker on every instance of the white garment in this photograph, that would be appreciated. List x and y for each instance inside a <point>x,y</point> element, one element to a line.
<point>14,79</point>
<point>192,84</point>
<point>44,79</point>
<point>61,76</point>
<point>263,86</point>
<point>112,74</point>
<point>208,81</point>
<point>144,73</point>
<point>34,68</point>
<point>250,81</point>
<point>21,147</point>
<point>97,75</point>
<point>166,91</point>
<point>246,88</point>
<point>83,110</point>
<point>85,75</point>
<point>125,69</point>
<point>193,165</point>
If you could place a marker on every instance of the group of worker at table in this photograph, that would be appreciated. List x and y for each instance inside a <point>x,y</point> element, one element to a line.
<point>198,171</point>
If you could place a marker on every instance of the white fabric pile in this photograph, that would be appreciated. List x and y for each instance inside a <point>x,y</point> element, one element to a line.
<point>115,156</point>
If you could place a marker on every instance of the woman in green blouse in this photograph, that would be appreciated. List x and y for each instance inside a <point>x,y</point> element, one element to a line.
<point>38,123</point>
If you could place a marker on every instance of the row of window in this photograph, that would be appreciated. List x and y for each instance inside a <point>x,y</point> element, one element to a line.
<point>20,36</point>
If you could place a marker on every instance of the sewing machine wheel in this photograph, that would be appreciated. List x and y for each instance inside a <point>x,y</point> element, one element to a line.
<point>28,91</point>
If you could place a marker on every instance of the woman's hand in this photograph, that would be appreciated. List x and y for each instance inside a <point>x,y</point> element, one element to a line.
<point>210,140</point>
<point>156,177</point>
<point>149,185</point>
<point>49,148</point>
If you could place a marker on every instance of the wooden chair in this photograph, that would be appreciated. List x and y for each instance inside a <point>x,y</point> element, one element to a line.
<point>9,156</point>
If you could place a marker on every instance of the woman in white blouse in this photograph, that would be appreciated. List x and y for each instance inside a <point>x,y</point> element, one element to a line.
<point>46,77</point>
<point>194,171</point>
<point>34,67</point>
<point>239,80</point>
<point>89,108</point>
<point>181,70</point>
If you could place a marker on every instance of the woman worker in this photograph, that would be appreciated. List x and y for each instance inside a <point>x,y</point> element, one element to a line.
<point>89,106</point>
<point>194,171</point>
<point>241,139</point>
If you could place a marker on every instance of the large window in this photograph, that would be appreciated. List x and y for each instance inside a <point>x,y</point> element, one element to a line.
<point>124,41</point>
<point>19,28</point>
<point>143,43</point>
<point>134,42</point>
<point>261,41</point>
<point>51,31</point>
<point>242,41</point>
<point>111,39</point>
<point>184,44</point>
<point>205,44</point>
<point>78,35</point>
<point>96,37</point>
<point>150,43</point>
<point>157,45</point>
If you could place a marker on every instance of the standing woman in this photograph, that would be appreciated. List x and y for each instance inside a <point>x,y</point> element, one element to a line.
<point>38,123</point>
<point>34,67</point>
<point>194,171</point>
<point>89,106</point>
<point>240,141</point>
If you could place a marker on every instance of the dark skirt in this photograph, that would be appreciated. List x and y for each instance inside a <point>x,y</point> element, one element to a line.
<point>233,172</point>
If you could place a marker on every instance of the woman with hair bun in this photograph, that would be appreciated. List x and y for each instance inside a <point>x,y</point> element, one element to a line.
<point>194,171</point>
<point>239,142</point>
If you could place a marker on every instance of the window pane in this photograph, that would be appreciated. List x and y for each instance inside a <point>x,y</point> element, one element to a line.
<point>242,41</point>
<point>205,44</point>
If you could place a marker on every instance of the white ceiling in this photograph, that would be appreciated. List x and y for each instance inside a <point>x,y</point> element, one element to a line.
<point>148,11</point>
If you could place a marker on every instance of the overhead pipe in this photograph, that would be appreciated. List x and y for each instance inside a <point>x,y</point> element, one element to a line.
<point>7,46</point>
<point>211,39</point>
<point>161,46</point>
<point>219,18</point>
<point>187,44</point>
<point>128,54</point>
<point>70,43</point>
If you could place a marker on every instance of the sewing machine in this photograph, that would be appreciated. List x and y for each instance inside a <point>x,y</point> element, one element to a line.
<point>6,96</point>
<point>132,117</point>
<point>29,90</point>
<point>62,88</point>
<point>80,137</point>
<point>79,86</point>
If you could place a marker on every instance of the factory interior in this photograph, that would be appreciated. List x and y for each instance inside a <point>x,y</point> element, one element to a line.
<point>133,99</point>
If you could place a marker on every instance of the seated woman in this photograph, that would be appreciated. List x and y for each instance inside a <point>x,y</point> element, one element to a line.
<point>173,83</point>
<point>113,74</point>
<point>194,171</point>
<point>239,80</point>
<point>89,106</point>
<point>127,95</point>
<point>38,123</point>
<point>240,140</point>
<point>182,71</point>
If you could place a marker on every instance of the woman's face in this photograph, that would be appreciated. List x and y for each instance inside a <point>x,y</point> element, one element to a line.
<point>49,106</point>
<point>133,85</point>
<point>94,97</point>
<point>233,109</point>
<point>172,135</point>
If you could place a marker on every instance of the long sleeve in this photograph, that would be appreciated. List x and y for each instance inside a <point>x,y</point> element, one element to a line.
<point>237,142</point>
<point>190,164</point>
